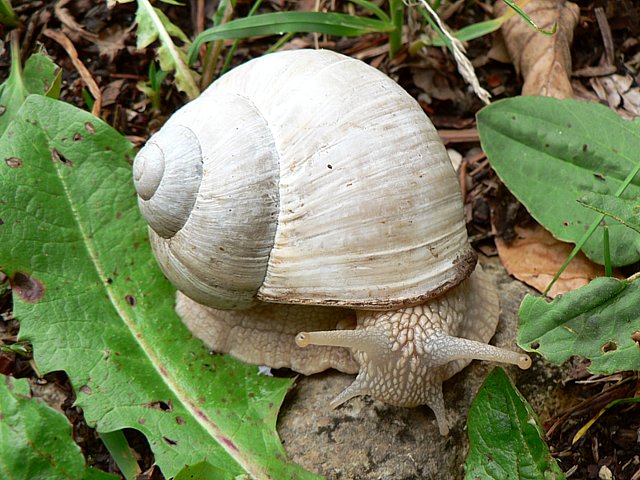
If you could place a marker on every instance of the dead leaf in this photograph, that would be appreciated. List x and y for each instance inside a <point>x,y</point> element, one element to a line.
<point>109,42</point>
<point>535,256</point>
<point>617,91</point>
<point>436,85</point>
<point>543,61</point>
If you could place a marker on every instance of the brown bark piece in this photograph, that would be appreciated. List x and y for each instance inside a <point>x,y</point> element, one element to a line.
<point>535,256</point>
<point>544,61</point>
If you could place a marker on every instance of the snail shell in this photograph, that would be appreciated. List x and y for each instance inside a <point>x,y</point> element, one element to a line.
<point>304,177</point>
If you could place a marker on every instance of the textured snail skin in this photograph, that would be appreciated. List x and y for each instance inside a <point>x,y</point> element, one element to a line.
<point>402,356</point>
<point>310,218</point>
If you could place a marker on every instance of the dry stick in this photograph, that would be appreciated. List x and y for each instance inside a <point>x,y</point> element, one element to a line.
<point>459,136</point>
<point>64,41</point>
<point>607,38</point>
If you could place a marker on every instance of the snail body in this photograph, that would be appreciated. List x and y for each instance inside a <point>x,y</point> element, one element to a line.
<point>305,200</point>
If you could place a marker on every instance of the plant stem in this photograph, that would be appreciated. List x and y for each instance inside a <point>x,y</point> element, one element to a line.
<point>397,19</point>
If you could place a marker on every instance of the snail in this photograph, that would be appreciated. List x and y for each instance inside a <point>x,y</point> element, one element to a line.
<point>307,212</point>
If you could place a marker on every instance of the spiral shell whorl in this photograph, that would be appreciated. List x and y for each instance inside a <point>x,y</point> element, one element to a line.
<point>168,171</point>
<point>208,187</point>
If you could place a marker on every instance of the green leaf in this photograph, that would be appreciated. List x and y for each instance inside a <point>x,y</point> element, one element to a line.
<point>277,23</point>
<point>505,436</point>
<point>597,321</point>
<point>154,25</point>
<point>627,212</point>
<point>35,440</point>
<point>91,298</point>
<point>550,153</point>
<point>40,76</point>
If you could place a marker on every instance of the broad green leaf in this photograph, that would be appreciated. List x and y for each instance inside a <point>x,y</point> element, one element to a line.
<point>627,212</point>
<point>598,321</point>
<point>550,153</point>
<point>91,298</point>
<point>40,76</point>
<point>154,25</point>
<point>505,436</point>
<point>338,24</point>
<point>35,440</point>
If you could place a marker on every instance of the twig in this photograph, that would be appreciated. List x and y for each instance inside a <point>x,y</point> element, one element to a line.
<point>459,136</point>
<point>65,43</point>
<point>607,38</point>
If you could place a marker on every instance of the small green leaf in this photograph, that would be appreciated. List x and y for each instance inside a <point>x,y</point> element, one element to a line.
<point>550,153</point>
<point>42,76</point>
<point>505,436</point>
<point>35,440</point>
<point>627,212</point>
<point>93,302</point>
<point>598,321</point>
<point>277,23</point>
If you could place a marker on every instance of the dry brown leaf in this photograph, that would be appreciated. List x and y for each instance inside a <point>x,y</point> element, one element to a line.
<point>543,61</point>
<point>109,42</point>
<point>436,85</point>
<point>619,93</point>
<point>535,256</point>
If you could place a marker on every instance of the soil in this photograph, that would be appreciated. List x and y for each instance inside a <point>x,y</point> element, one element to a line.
<point>566,398</point>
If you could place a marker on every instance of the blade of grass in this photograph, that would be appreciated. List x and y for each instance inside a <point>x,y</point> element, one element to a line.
<point>212,54</point>
<point>520,12</point>
<point>285,38</point>
<point>373,8</point>
<point>7,15</point>
<point>338,24</point>
<point>588,425</point>
<point>119,449</point>
<point>236,42</point>
<point>396,8</point>
<point>592,229</point>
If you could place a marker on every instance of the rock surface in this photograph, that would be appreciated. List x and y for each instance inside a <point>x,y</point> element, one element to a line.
<point>366,439</point>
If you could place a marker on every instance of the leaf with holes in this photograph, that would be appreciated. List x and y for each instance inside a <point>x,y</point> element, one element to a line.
<point>600,321</point>
<point>91,298</point>
<point>550,153</point>
<point>505,436</point>
<point>35,440</point>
